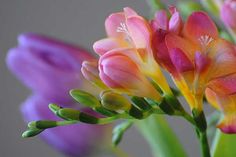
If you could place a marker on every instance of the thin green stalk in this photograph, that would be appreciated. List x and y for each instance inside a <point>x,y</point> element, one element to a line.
<point>204,144</point>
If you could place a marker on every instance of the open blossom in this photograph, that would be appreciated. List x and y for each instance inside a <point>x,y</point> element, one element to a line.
<point>199,55</point>
<point>129,32</point>
<point>50,68</point>
<point>221,94</point>
<point>228,13</point>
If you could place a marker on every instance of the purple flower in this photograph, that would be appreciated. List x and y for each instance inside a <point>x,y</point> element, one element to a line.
<point>79,140</point>
<point>50,68</point>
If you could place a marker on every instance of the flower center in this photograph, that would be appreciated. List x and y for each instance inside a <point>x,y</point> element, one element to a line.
<point>205,40</point>
<point>123,29</point>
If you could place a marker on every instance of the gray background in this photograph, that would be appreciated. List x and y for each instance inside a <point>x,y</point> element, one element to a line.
<point>77,21</point>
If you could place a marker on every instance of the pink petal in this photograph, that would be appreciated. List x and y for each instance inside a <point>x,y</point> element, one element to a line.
<point>139,31</point>
<point>113,22</point>
<point>175,23</point>
<point>180,60</point>
<point>199,24</point>
<point>105,45</point>
<point>160,21</point>
<point>174,41</point>
<point>129,12</point>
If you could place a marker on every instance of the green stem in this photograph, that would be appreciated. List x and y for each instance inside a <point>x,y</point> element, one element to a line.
<point>204,144</point>
<point>161,137</point>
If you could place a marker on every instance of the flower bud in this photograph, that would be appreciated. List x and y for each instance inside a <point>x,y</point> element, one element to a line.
<point>85,98</point>
<point>91,73</point>
<point>121,73</point>
<point>114,101</point>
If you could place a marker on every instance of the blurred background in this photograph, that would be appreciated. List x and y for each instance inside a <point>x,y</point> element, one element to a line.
<point>77,21</point>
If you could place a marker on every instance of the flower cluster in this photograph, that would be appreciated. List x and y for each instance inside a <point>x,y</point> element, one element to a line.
<point>129,73</point>
<point>198,60</point>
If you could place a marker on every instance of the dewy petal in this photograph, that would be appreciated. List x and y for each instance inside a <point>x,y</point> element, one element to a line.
<point>113,22</point>
<point>198,25</point>
<point>105,45</point>
<point>223,55</point>
<point>139,31</point>
<point>72,140</point>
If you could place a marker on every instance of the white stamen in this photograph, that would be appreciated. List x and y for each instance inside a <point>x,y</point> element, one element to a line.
<point>122,28</point>
<point>205,40</point>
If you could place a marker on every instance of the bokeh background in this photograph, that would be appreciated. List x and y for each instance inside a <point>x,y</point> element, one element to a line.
<point>80,22</point>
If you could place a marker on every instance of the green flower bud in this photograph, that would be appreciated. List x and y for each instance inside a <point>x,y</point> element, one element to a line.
<point>42,124</point>
<point>31,133</point>
<point>85,98</point>
<point>114,101</point>
<point>54,108</point>
<point>76,115</point>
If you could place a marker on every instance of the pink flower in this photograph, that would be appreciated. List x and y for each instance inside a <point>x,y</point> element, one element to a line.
<point>228,13</point>
<point>119,71</point>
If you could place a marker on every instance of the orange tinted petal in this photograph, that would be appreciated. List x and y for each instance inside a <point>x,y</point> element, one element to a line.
<point>199,24</point>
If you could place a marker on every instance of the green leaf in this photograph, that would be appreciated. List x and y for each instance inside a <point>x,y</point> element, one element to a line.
<point>119,131</point>
<point>161,137</point>
<point>224,145</point>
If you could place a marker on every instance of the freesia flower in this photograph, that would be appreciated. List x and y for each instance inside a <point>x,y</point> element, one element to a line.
<point>161,26</point>
<point>199,55</point>
<point>118,71</point>
<point>78,140</point>
<point>221,94</point>
<point>50,68</point>
<point>127,31</point>
<point>228,13</point>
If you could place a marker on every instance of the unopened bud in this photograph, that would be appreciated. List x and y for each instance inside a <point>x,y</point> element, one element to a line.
<point>114,101</point>
<point>31,133</point>
<point>85,98</point>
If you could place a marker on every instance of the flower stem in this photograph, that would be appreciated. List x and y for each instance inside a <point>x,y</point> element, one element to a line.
<point>204,144</point>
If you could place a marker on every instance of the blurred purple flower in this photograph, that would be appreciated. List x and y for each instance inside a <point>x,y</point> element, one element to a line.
<point>79,140</point>
<point>50,68</point>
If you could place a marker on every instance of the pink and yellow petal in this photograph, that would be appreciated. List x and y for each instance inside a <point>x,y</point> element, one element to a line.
<point>105,45</point>
<point>174,41</point>
<point>228,124</point>
<point>199,24</point>
<point>222,53</point>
